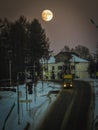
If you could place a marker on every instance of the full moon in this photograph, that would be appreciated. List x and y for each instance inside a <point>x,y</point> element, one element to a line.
<point>47,15</point>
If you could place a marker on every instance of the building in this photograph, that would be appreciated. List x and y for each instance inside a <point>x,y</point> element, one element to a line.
<point>65,62</point>
<point>79,67</point>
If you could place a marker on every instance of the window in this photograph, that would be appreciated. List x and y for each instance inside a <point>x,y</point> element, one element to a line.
<point>72,67</point>
<point>53,67</point>
<point>60,67</point>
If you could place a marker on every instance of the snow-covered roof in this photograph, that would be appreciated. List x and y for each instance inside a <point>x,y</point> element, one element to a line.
<point>73,59</point>
<point>50,60</point>
<point>77,59</point>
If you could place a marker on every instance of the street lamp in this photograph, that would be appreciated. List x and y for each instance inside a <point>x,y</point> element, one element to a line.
<point>73,67</point>
<point>10,64</point>
<point>95,124</point>
<point>42,63</point>
<point>18,96</point>
<point>96,58</point>
<point>18,105</point>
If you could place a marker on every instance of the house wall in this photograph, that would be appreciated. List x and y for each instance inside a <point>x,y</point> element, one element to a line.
<point>53,68</point>
<point>79,69</point>
<point>58,69</point>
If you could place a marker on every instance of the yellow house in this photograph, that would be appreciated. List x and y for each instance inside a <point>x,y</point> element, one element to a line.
<point>80,67</point>
<point>53,68</point>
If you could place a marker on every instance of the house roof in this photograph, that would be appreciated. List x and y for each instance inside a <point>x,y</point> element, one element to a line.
<point>74,58</point>
<point>66,53</point>
<point>64,56</point>
<point>77,59</point>
<point>50,60</point>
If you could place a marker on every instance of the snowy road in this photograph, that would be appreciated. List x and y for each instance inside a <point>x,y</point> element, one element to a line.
<point>70,110</point>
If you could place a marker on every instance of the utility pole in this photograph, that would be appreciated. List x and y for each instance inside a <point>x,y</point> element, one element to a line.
<point>18,93</point>
<point>10,76</point>
<point>95,122</point>
<point>96,55</point>
<point>18,105</point>
<point>10,66</point>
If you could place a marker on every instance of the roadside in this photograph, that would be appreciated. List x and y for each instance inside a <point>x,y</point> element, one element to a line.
<point>30,111</point>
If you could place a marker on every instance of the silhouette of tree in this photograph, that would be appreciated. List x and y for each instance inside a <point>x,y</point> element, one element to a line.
<point>26,42</point>
<point>66,49</point>
<point>38,42</point>
<point>4,47</point>
<point>83,51</point>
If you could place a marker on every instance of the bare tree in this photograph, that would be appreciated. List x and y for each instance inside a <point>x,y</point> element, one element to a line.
<point>66,49</point>
<point>83,51</point>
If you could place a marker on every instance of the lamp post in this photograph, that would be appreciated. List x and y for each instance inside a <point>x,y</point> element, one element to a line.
<point>95,58</point>
<point>10,72</point>
<point>10,66</point>
<point>74,67</point>
<point>42,61</point>
<point>95,124</point>
<point>18,105</point>
<point>18,93</point>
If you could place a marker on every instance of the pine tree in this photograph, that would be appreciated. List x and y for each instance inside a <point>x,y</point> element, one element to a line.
<point>38,42</point>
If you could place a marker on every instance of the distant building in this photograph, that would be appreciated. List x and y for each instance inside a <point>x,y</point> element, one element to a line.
<point>65,62</point>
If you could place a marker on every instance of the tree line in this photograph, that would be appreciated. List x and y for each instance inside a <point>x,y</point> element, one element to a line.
<point>22,44</point>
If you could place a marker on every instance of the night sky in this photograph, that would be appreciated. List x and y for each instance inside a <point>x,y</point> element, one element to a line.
<point>70,25</point>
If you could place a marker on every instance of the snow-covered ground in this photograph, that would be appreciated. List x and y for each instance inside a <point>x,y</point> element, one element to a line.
<point>31,108</point>
<point>32,111</point>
